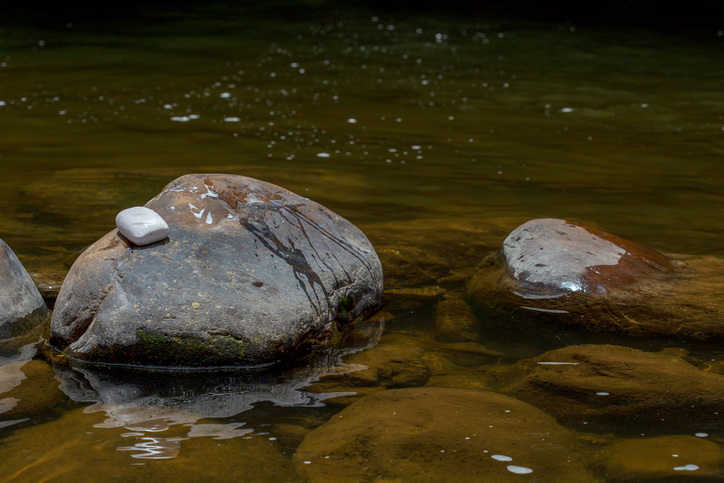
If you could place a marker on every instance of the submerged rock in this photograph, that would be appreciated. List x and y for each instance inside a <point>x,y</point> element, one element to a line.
<point>454,321</point>
<point>21,305</point>
<point>557,271</point>
<point>441,434</point>
<point>666,457</point>
<point>607,384</point>
<point>250,274</point>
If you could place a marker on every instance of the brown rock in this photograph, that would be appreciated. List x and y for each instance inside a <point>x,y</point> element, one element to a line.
<point>454,321</point>
<point>665,457</point>
<point>440,434</point>
<point>611,384</point>
<point>554,272</point>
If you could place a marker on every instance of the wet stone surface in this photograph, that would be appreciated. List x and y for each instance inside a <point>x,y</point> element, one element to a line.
<point>21,305</point>
<point>249,274</point>
<point>549,258</point>
<point>555,272</point>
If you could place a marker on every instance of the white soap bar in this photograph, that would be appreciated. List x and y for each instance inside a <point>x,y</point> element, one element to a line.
<point>141,225</point>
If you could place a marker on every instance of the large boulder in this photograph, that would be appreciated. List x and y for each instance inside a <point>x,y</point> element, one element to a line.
<point>250,274</point>
<point>440,434</point>
<point>21,305</point>
<point>557,271</point>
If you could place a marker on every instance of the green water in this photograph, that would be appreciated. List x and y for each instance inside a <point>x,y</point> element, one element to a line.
<point>435,136</point>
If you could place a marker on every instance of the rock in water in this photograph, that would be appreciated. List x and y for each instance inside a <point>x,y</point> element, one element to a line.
<point>549,258</point>
<point>250,274</point>
<point>141,225</point>
<point>21,305</point>
<point>551,272</point>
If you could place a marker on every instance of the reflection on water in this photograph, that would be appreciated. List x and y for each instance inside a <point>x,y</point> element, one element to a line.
<point>144,401</point>
<point>11,376</point>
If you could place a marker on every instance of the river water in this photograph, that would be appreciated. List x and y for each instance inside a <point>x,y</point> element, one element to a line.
<point>435,136</point>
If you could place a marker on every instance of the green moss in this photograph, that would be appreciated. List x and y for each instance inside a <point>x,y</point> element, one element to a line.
<point>336,338</point>
<point>157,349</point>
<point>344,308</point>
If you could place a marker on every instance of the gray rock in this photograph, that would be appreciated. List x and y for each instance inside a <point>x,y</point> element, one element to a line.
<point>550,258</point>
<point>250,274</point>
<point>21,305</point>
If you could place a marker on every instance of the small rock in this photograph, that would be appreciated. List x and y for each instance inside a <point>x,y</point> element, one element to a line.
<point>549,258</point>
<point>454,321</point>
<point>141,225</point>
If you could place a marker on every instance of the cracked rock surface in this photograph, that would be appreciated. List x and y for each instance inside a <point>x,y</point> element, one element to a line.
<point>249,274</point>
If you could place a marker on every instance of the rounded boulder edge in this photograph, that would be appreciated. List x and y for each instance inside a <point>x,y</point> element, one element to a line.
<point>250,274</point>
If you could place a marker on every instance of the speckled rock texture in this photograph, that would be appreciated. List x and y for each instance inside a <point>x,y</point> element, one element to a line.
<point>560,272</point>
<point>250,274</point>
<point>21,305</point>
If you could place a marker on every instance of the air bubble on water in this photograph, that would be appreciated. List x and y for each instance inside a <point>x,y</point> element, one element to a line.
<point>701,435</point>
<point>323,155</point>
<point>567,109</point>
<point>501,457</point>
<point>686,468</point>
<point>225,95</point>
<point>519,470</point>
<point>644,105</point>
<point>231,119</point>
<point>601,394</point>
<point>352,120</point>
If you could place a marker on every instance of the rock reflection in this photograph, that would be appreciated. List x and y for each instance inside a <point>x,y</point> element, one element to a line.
<point>150,401</point>
<point>155,448</point>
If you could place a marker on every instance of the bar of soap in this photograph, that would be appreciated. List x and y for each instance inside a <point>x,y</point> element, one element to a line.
<point>141,225</point>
